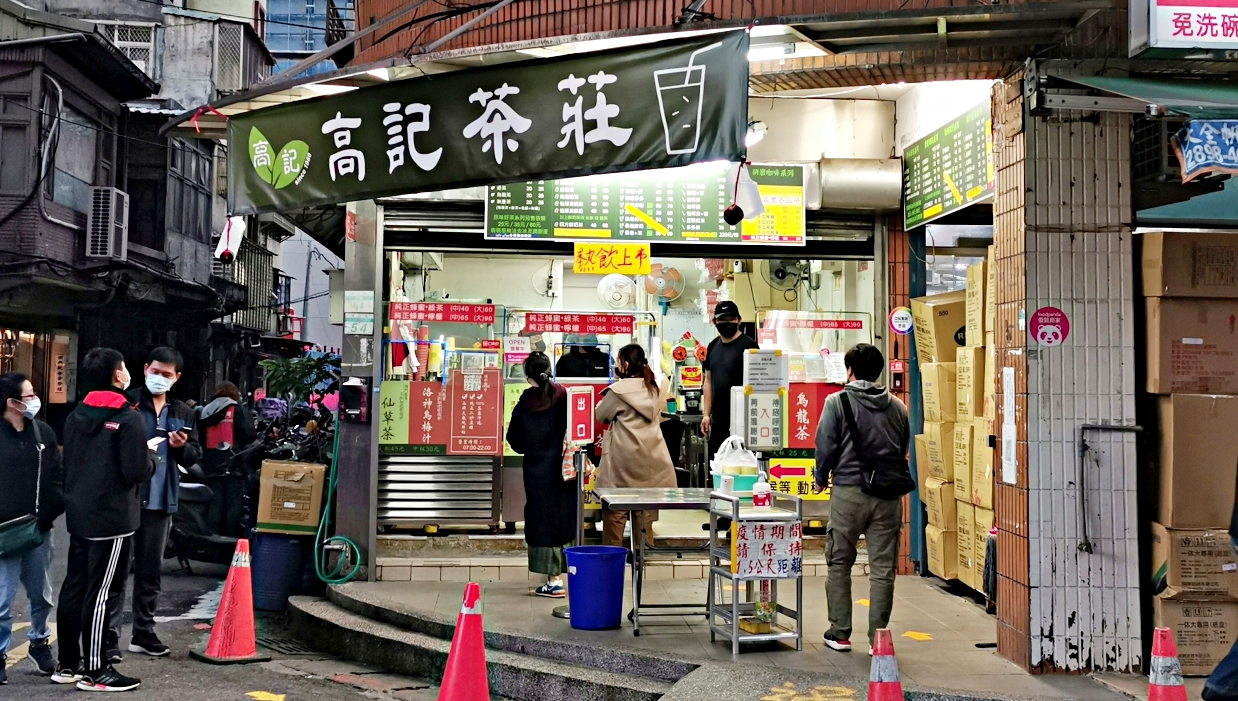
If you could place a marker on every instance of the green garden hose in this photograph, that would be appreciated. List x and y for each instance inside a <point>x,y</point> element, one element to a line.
<point>350,550</point>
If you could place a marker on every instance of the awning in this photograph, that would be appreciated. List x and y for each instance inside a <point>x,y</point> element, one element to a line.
<point>1197,99</point>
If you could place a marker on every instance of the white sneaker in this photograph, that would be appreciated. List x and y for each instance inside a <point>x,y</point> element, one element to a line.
<point>870,650</point>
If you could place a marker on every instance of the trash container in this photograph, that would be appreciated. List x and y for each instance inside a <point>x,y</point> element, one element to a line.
<point>277,566</point>
<point>595,586</point>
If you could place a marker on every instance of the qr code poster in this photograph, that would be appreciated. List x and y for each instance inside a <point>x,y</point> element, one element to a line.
<point>768,549</point>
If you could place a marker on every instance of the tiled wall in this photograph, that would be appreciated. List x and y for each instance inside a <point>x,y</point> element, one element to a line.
<point>1064,240</point>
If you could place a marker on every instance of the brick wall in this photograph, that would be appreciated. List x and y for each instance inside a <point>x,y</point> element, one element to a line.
<point>898,283</point>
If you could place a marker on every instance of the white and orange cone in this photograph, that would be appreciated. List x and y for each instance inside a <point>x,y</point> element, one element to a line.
<point>465,678</point>
<point>1165,672</point>
<point>883,683</point>
<point>233,638</point>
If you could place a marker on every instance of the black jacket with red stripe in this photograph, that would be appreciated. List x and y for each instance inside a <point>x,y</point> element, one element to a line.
<point>105,462</point>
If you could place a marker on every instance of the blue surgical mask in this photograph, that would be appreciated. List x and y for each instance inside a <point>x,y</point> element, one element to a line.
<point>158,384</point>
<point>32,408</point>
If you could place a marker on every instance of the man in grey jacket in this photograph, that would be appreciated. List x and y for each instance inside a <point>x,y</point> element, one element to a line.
<point>881,421</point>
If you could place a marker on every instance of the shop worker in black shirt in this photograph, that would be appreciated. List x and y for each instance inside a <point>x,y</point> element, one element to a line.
<point>724,369</point>
<point>582,358</point>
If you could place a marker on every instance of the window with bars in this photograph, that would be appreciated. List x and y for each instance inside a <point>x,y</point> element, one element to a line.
<point>135,40</point>
<point>189,190</point>
<point>254,270</point>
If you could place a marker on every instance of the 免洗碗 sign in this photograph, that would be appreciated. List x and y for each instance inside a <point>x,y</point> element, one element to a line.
<point>660,105</point>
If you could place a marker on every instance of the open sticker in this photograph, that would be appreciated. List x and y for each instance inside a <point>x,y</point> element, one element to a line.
<point>1049,326</point>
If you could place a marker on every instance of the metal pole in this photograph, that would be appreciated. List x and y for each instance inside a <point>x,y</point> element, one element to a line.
<point>564,611</point>
<point>309,257</point>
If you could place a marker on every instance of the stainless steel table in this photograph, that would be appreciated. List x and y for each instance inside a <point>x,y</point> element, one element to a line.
<point>636,502</point>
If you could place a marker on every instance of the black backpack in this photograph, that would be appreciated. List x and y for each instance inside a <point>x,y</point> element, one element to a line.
<point>888,476</point>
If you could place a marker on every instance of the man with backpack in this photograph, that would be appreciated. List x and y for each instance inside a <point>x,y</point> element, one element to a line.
<point>862,444</point>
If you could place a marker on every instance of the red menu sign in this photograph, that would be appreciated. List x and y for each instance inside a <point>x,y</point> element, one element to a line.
<point>476,426</point>
<point>432,311</point>
<point>427,419</point>
<point>805,400</point>
<point>829,324</point>
<point>541,322</point>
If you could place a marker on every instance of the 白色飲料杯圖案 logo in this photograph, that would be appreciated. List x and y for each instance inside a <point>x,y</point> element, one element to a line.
<point>279,169</point>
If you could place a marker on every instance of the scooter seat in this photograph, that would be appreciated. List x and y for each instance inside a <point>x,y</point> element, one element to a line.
<point>195,493</point>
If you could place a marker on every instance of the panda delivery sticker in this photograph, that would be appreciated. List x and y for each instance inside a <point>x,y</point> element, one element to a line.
<point>1049,326</point>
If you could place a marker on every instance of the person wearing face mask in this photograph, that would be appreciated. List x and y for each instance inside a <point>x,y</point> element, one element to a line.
<point>32,477</point>
<point>106,460</point>
<point>172,419</point>
<point>724,369</point>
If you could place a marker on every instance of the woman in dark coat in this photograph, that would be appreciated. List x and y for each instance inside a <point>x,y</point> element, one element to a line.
<point>537,430</point>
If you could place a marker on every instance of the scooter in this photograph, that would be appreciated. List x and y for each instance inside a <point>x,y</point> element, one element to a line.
<point>212,512</point>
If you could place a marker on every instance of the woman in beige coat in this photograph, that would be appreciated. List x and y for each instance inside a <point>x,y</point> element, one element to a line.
<point>634,453</point>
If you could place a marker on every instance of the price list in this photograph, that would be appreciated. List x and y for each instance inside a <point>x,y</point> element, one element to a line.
<point>950,168</point>
<point>669,205</point>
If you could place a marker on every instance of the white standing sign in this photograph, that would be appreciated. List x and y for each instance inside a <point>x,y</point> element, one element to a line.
<point>764,419</point>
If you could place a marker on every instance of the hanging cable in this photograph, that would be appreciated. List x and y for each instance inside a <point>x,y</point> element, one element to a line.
<point>349,551</point>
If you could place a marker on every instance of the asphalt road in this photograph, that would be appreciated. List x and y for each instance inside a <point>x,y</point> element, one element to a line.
<point>185,607</point>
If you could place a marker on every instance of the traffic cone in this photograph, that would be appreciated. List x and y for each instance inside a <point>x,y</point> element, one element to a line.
<point>1165,672</point>
<point>232,636</point>
<point>465,677</point>
<point>883,683</point>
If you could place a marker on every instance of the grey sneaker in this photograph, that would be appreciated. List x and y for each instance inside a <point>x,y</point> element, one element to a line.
<point>43,658</point>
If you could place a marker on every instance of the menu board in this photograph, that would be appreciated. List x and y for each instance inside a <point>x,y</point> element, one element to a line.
<point>950,168</point>
<point>667,206</point>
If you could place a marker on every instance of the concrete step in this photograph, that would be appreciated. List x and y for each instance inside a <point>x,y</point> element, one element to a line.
<point>519,677</point>
<point>620,660</point>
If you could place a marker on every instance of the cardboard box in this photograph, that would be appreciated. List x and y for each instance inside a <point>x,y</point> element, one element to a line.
<point>940,325</point>
<point>940,501</point>
<point>943,553</point>
<point>922,467</point>
<point>962,461</point>
<point>984,524</point>
<point>981,465</point>
<point>967,543</point>
<point>970,390</point>
<point>1199,456</point>
<point>1192,346</point>
<point>1190,265</point>
<point>990,377</point>
<point>1204,630</point>
<point>939,441</point>
<point>1193,564</point>
<point>990,295</point>
<point>977,288</point>
<point>290,497</point>
<point>937,380</point>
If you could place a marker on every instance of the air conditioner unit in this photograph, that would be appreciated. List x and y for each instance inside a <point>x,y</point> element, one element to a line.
<point>107,224</point>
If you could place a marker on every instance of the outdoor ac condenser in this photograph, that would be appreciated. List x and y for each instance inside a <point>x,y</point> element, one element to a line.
<point>107,224</point>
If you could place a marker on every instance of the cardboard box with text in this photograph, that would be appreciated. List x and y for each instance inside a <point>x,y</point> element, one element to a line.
<point>962,461</point>
<point>943,554</point>
<point>977,288</point>
<point>937,380</point>
<point>981,465</point>
<point>967,543</point>
<point>1204,630</point>
<point>290,497</point>
<point>939,442</point>
<point>940,325</point>
<point>940,503</point>
<point>1187,264</point>
<point>1192,346</point>
<point>970,390</point>
<point>1193,563</point>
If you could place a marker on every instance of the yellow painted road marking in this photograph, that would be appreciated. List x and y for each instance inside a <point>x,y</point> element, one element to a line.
<point>862,602</point>
<point>788,692</point>
<point>649,221</point>
<point>918,637</point>
<point>958,197</point>
<point>265,696</point>
<point>21,652</point>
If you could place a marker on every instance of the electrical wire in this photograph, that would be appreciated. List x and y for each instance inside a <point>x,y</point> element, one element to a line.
<point>248,19</point>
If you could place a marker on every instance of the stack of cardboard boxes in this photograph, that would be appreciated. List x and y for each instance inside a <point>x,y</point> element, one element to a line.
<point>1191,286</point>
<point>954,343</point>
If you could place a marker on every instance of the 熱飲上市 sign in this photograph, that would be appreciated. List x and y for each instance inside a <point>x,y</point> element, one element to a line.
<point>660,105</point>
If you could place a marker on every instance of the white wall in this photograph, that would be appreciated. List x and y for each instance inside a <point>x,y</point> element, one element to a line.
<point>928,106</point>
<point>809,129</point>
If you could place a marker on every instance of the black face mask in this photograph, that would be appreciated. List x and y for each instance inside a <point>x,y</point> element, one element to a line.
<point>727,329</point>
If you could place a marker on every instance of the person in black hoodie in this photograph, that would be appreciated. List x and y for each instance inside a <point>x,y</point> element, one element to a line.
<point>32,477</point>
<point>537,429</point>
<point>106,459</point>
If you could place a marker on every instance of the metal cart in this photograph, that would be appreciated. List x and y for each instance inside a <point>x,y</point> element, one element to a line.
<point>786,511</point>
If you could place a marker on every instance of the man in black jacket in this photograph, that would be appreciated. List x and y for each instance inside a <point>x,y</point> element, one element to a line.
<point>174,420</point>
<point>106,459</point>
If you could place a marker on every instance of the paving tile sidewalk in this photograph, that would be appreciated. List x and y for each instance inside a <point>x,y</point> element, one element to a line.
<point>936,634</point>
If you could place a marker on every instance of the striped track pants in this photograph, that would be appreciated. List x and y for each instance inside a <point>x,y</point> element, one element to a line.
<point>95,568</point>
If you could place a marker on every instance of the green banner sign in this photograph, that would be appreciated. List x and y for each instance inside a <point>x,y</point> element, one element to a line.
<point>949,169</point>
<point>655,106</point>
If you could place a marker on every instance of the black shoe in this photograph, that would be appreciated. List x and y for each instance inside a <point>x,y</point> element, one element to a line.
<point>4,675</point>
<point>107,679</point>
<point>65,675</point>
<point>148,644</point>
<point>113,655</point>
<point>833,642</point>
<point>43,658</point>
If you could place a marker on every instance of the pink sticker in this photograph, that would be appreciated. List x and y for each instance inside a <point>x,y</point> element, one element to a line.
<point>1049,326</point>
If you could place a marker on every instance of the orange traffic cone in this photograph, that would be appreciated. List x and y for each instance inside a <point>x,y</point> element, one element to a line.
<point>883,683</point>
<point>232,635</point>
<point>1165,672</point>
<point>465,677</point>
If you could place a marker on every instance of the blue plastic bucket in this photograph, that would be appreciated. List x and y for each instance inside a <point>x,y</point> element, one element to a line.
<point>595,586</point>
<point>278,562</point>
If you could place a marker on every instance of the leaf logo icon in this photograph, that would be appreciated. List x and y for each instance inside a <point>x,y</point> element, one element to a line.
<point>278,170</point>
